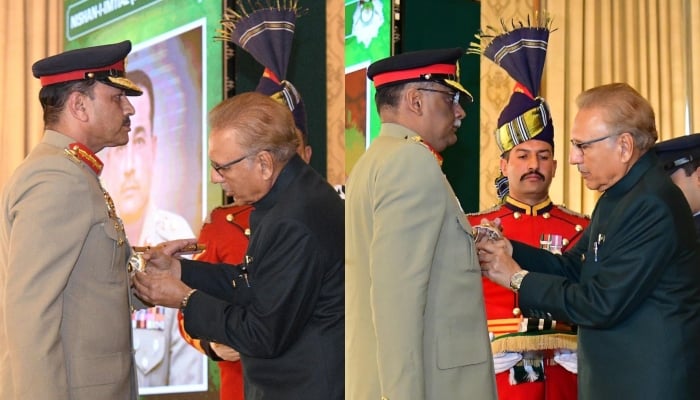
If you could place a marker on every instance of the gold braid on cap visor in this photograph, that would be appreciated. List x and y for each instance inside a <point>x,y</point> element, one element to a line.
<point>125,83</point>
<point>523,128</point>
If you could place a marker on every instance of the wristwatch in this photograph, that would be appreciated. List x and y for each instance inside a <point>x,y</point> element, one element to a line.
<point>517,279</point>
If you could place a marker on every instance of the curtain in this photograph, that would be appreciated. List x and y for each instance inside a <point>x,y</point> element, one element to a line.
<point>649,44</point>
<point>29,30</point>
<point>335,89</point>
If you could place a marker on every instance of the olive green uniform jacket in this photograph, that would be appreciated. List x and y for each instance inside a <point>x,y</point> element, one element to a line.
<point>415,319</point>
<point>65,327</point>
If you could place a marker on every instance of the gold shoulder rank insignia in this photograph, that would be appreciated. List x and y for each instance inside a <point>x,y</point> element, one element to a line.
<point>419,140</point>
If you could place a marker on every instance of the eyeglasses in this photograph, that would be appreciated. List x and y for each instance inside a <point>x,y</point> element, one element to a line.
<point>224,167</point>
<point>584,145</point>
<point>453,95</point>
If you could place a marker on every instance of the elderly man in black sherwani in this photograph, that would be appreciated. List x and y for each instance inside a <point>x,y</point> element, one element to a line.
<point>632,283</point>
<point>283,308</point>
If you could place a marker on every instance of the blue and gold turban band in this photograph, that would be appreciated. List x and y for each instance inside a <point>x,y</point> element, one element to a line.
<point>531,120</point>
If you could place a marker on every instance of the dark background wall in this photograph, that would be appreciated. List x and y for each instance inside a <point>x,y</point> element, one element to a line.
<point>429,24</point>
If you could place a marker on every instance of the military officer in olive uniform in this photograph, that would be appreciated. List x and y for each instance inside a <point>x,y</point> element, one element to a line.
<point>64,297</point>
<point>414,309</point>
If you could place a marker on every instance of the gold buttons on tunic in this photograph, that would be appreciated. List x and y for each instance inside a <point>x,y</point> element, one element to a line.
<point>517,215</point>
<point>516,312</point>
<point>578,228</point>
<point>230,217</point>
<point>546,215</point>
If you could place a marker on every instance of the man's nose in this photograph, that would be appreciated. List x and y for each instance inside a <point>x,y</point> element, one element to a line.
<point>575,156</point>
<point>129,159</point>
<point>459,111</point>
<point>129,108</point>
<point>533,163</point>
<point>215,177</point>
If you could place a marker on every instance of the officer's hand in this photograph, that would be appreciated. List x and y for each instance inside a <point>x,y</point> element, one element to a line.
<point>224,352</point>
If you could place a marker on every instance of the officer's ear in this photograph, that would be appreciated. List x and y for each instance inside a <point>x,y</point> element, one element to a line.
<point>413,98</point>
<point>76,105</point>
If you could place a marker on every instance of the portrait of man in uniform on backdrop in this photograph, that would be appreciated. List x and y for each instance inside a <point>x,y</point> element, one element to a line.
<point>162,155</point>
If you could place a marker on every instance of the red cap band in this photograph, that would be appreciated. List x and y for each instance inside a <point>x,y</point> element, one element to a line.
<point>415,73</point>
<point>78,75</point>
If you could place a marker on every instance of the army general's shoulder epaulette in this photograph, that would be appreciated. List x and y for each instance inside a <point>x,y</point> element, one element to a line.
<point>417,139</point>
<point>78,152</point>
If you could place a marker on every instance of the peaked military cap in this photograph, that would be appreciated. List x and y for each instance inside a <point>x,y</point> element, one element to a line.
<point>105,63</point>
<point>438,66</point>
<point>676,152</point>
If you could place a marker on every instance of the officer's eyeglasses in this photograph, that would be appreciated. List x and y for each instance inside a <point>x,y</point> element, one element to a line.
<point>454,95</point>
<point>582,146</point>
<point>220,169</point>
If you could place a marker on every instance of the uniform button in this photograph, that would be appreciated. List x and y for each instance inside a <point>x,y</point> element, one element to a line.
<point>247,232</point>
<point>516,312</point>
<point>230,217</point>
<point>546,215</point>
<point>565,242</point>
<point>516,215</point>
<point>578,228</point>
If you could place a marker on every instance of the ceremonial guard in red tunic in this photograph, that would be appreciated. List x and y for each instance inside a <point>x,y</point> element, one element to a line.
<point>225,237</point>
<point>534,358</point>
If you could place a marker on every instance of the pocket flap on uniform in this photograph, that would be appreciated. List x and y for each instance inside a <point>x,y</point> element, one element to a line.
<point>461,343</point>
